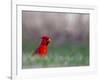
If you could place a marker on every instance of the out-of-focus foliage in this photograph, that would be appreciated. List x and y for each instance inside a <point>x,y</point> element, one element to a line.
<point>63,56</point>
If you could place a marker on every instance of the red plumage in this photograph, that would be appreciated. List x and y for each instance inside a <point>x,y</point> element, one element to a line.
<point>42,50</point>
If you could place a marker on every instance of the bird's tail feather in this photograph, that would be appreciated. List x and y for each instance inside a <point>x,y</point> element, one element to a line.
<point>33,53</point>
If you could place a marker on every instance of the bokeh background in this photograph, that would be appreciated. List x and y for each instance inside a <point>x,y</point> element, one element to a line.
<point>70,39</point>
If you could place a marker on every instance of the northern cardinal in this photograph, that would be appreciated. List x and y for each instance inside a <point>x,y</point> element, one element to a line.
<point>42,50</point>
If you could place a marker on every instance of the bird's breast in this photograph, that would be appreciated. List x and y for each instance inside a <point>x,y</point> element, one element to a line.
<point>43,50</point>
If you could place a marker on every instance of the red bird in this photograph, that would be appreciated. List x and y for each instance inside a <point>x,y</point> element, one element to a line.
<point>43,47</point>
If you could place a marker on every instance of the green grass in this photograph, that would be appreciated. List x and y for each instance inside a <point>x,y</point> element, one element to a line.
<point>65,55</point>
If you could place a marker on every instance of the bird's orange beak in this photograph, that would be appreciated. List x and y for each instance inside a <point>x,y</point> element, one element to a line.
<point>49,40</point>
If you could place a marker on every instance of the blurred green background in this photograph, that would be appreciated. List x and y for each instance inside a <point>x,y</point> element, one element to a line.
<point>70,39</point>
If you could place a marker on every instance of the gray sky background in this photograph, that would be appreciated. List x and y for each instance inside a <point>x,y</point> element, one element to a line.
<point>60,26</point>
